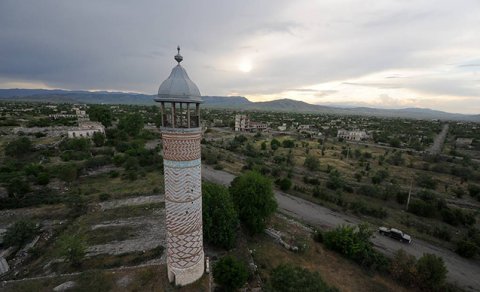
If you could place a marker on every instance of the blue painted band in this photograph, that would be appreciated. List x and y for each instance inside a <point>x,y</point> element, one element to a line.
<point>182,164</point>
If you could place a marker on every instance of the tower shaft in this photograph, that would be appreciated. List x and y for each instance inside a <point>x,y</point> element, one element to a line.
<point>183,204</point>
<point>180,100</point>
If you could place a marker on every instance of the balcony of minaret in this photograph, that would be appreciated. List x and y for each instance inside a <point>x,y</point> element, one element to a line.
<point>180,114</point>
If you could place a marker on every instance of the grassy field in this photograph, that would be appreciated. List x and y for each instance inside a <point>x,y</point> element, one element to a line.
<point>349,166</point>
<point>151,183</point>
<point>333,268</point>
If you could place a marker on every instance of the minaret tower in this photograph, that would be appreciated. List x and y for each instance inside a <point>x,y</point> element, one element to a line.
<point>180,100</point>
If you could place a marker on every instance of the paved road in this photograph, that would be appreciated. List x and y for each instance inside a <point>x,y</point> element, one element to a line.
<point>466,273</point>
<point>437,145</point>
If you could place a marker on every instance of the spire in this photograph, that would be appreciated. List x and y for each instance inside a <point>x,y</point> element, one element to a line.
<point>178,57</point>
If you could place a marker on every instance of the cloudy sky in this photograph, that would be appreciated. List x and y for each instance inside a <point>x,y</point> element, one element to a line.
<point>382,53</point>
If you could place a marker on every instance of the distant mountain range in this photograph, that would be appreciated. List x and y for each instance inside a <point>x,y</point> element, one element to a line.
<point>227,102</point>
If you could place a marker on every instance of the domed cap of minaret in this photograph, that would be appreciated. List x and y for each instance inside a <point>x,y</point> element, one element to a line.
<point>178,87</point>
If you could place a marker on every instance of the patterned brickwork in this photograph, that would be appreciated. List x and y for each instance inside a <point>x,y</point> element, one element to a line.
<point>181,183</point>
<point>181,146</point>
<point>183,205</point>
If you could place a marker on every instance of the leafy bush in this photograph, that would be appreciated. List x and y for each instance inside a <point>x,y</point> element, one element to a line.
<point>401,197</point>
<point>104,197</point>
<point>428,273</point>
<point>253,196</point>
<point>67,172</point>
<point>220,219</point>
<point>456,216</point>
<point>230,273</point>
<point>274,144</point>
<point>97,161</point>
<point>421,208</point>
<point>76,144</point>
<point>431,272</point>
<point>474,190</point>
<point>17,187</point>
<point>354,243</point>
<point>442,233</point>
<point>72,248</point>
<point>312,181</point>
<point>402,268</point>
<point>426,181</point>
<point>100,113</point>
<point>335,180</point>
<point>360,207</point>
<point>19,147</point>
<point>318,236</point>
<point>98,139</point>
<point>466,248</point>
<point>285,183</point>
<point>380,176</point>
<point>131,124</point>
<point>286,278</point>
<point>19,233</point>
<point>369,190</point>
<point>287,143</point>
<point>43,178</point>
<point>312,163</point>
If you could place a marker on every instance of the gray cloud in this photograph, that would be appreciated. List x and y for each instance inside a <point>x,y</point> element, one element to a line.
<point>375,85</point>
<point>129,45</point>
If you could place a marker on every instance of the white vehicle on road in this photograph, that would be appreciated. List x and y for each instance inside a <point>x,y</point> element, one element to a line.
<point>395,234</point>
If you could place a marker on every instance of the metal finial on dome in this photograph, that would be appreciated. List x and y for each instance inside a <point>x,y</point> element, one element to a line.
<point>178,57</point>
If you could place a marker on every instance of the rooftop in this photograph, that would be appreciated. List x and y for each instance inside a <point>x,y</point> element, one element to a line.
<point>178,87</point>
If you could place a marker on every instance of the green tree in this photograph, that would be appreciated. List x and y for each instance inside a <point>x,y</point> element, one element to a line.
<point>98,139</point>
<point>100,113</point>
<point>72,249</point>
<point>68,172</point>
<point>253,196</point>
<point>431,272</point>
<point>274,144</point>
<point>285,183</point>
<point>287,143</point>
<point>131,124</point>
<point>380,176</point>
<point>467,248</point>
<point>17,186</point>
<point>312,163</point>
<point>78,204</point>
<point>230,273</point>
<point>220,219</point>
<point>395,142</point>
<point>354,243</point>
<point>19,148</point>
<point>76,144</point>
<point>43,178</point>
<point>288,278</point>
<point>19,233</point>
<point>426,181</point>
<point>264,145</point>
<point>402,268</point>
<point>335,181</point>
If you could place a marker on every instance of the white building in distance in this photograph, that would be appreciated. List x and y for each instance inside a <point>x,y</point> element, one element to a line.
<point>86,129</point>
<point>241,123</point>
<point>244,124</point>
<point>354,135</point>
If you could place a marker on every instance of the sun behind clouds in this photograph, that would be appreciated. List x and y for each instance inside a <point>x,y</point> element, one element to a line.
<point>245,65</point>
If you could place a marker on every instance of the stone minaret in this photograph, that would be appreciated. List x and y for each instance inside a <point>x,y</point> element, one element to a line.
<point>180,100</point>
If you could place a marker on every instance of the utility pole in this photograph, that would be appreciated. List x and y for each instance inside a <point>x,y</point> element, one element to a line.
<point>409,194</point>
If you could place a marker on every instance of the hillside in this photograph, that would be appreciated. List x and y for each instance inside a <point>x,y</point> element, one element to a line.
<point>230,102</point>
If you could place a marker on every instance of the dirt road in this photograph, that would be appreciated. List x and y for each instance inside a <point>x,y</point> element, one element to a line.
<point>439,140</point>
<point>466,273</point>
